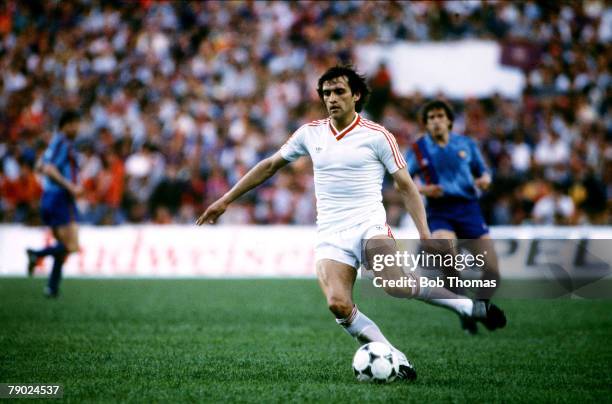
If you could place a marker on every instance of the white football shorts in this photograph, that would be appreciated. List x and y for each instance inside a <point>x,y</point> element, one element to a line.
<point>345,245</point>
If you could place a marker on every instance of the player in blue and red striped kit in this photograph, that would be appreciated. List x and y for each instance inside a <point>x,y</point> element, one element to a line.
<point>58,207</point>
<point>453,174</point>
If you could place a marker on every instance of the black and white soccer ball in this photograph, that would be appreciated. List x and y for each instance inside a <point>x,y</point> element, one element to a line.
<point>375,362</point>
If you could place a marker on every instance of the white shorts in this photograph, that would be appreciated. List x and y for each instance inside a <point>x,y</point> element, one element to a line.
<point>345,246</point>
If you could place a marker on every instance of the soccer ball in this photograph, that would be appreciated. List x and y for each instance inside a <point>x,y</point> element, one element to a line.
<point>375,362</point>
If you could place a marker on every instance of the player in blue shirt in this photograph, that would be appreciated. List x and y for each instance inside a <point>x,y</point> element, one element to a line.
<point>453,173</point>
<point>58,208</point>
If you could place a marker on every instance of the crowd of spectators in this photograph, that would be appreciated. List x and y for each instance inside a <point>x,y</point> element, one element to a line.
<point>180,99</point>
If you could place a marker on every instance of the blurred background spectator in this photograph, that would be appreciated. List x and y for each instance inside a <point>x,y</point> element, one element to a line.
<point>182,98</point>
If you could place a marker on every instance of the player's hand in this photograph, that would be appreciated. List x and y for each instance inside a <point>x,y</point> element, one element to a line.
<point>483,182</point>
<point>212,213</point>
<point>76,190</point>
<point>432,191</point>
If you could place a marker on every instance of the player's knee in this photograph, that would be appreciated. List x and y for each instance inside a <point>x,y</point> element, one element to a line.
<point>72,248</point>
<point>340,306</point>
<point>376,249</point>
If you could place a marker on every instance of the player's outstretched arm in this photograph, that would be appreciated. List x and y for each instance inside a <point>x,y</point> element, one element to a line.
<point>412,201</point>
<point>256,175</point>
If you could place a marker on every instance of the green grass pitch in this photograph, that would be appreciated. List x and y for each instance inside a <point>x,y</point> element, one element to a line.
<point>274,340</point>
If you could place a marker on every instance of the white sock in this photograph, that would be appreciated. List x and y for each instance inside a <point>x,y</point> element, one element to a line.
<point>459,306</point>
<point>445,298</point>
<point>362,328</point>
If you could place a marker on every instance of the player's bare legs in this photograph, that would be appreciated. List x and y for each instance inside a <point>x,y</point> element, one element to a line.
<point>467,309</point>
<point>383,244</point>
<point>67,237</point>
<point>484,246</point>
<point>445,234</point>
<point>337,280</point>
<point>467,324</point>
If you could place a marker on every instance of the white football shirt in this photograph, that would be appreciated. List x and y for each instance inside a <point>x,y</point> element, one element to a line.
<point>349,167</point>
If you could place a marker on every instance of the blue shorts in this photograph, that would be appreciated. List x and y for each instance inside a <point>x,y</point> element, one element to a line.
<point>462,216</point>
<point>58,209</point>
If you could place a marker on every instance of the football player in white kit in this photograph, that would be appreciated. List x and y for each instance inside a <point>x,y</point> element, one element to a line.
<point>350,155</point>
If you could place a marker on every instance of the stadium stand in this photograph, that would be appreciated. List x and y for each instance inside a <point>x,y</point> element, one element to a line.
<point>180,102</point>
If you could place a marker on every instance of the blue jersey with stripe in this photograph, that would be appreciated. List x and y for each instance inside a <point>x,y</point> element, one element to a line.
<point>62,155</point>
<point>453,166</point>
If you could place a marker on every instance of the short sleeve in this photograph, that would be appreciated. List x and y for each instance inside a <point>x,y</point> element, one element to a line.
<point>389,152</point>
<point>477,164</point>
<point>51,155</point>
<point>295,147</point>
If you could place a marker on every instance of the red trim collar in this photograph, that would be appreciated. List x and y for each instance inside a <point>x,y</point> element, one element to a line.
<point>346,130</point>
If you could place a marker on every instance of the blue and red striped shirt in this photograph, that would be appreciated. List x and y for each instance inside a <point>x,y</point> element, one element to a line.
<point>61,154</point>
<point>454,166</point>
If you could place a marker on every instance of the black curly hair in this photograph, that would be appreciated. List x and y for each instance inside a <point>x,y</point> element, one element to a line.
<point>356,82</point>
<point>67,117</point>
<point>437,104</point>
